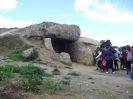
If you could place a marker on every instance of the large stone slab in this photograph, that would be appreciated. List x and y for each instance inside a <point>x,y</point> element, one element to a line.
<point>64,31</point>
<point>53,30</point>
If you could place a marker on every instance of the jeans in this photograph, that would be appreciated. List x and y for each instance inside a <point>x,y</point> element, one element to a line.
<point>131,73</point>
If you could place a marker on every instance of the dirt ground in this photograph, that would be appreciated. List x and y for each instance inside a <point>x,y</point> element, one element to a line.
<point>91,84</point>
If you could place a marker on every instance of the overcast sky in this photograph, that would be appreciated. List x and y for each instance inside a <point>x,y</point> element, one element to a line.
<point>97,19</point>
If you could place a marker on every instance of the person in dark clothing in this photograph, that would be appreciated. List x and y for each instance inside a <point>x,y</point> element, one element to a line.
<point>109,57</point>
<point>122,63</point>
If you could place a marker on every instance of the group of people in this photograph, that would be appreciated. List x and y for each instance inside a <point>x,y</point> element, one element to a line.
<point>107,58</point>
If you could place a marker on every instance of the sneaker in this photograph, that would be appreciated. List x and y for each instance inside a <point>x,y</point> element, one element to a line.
<point>113,72</point>
<point>106,72</point>
<point>130,79</point>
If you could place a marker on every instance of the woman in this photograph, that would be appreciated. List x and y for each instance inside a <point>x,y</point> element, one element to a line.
<point>109,57</point>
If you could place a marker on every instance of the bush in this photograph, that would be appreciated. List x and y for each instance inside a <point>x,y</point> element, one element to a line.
<point>56,71</point>
<point>32,82</point>
<point>34,55</point>
<point>30,69</point>
<point>51,85</point>
<point>16,55</point>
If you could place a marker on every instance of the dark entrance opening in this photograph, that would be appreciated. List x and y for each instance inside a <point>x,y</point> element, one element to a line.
<point>60,45</point>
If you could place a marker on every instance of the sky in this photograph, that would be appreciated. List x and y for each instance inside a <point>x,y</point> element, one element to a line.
<point>97,19</point>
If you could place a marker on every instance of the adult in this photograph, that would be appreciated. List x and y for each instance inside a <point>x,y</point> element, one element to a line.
<point>96,59</point>
<point>116,59</point>
<point>109,57</point>
<point>124,49</point>
<point>128,55</point>
<point>100,58</point>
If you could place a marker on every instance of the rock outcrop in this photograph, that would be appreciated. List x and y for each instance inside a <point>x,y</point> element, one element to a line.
<point>53,30</point>
<point>83,50</point>
<point>26,54</point>
<point>65,59</point>
<point>48,44</point>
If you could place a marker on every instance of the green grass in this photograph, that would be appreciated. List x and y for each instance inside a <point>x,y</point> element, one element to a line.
<point>31,69</point>
<point>74,74</point>
<point>6,72</point>
<point>4,58</point>
<point>52,86</point>
<point>31,77</point>
<point>56,72</point>
<point>16,55</point>
<point>48,75</point>
<point>90,78</point>
<point>92,82</point>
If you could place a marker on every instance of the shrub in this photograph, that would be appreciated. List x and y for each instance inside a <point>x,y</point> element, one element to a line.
<point>56,71</point>
<point>32,82</point>
<point>34,55</point>
<point>65,82</point>
<point>30,69</point>
<point>51,85</point>
<point>16,55</point>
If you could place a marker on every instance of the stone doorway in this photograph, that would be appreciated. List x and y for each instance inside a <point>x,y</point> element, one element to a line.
<point>60,45</point>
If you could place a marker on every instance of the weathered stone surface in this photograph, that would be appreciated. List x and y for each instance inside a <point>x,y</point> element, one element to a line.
<point>65,59</point>
<point>48,44</point>
<point>83,50</point>
<point>89,41</point>
<point>26,54</point>
<point>38,29</point>
<point>64,31</point>
<point>53,30</point>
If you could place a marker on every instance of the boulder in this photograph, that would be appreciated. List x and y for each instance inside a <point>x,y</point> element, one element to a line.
<point>65,59</point>
<point>26,54</point>
<point>64,31</point>
<point>48,44</point>
<point>53,30</point>
<point>82,50</point>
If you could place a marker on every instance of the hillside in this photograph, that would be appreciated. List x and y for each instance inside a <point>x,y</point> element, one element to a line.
<point>84,82</point>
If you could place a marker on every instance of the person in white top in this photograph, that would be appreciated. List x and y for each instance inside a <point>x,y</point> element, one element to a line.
<point>99,57</point>
<point>116,67</point>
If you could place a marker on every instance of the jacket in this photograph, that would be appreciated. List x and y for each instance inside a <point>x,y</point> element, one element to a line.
<point>110,54</point>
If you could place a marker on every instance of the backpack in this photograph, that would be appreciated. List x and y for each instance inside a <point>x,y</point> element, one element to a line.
<point>104,63</point>
<point>129,56</point>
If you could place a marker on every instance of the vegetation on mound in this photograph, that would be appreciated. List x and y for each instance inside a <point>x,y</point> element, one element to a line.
<point>16,55</point>
<point>56,72</point>
<point>30,76</point>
